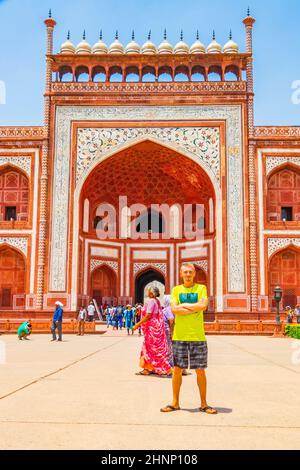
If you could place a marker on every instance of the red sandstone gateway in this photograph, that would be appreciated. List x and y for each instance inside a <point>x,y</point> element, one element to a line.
<point>159,125</point>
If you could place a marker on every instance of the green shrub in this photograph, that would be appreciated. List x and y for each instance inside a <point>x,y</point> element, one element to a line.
<point>293,331</point>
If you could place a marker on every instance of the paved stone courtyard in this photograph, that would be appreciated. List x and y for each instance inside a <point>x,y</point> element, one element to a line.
<point>83,394</point>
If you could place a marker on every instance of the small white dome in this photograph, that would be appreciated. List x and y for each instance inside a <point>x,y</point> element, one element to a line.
<point>197,47</point>
<point>165,47</point>
<point>133,47</point>
<point>100,47</point>
<point>83,47</point>
<point>231,47</point>
<point>116,47</point>
<point>67,47</point>
<point>214,47</point>
<point>149,47</point>
<point>181,47</point>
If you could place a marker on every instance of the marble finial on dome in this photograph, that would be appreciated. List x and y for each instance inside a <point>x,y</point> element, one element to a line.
<point>214,47</point>
<point>132,47</point>
<point>231,47</point>
<point>197,47</point>
<point>181,47</point>
<point>67,47</point>
<point>116,47</point>
<point>83,47</point>
<point>100,47</point>
<point>165,47</point>
<point>149,47</point>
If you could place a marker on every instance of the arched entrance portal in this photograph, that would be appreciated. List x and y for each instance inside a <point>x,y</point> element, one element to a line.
<point>103,285</point>
<point>12,276</point>
<point>167,184</point>
<point>145,280</point>
<point>285,273</point>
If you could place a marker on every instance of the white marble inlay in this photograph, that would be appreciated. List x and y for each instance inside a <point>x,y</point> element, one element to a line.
<point>105,252</point>
<point>276,244</point>
<point>275,161</point>
<point>22,162</point>
<point>231,114</point>
<point>19,243</point>
<point>150,254</point>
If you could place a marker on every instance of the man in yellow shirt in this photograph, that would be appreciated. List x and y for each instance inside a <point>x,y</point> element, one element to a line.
<point>188,303</point>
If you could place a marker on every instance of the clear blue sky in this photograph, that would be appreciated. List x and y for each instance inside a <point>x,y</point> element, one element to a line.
<point>276,44</point>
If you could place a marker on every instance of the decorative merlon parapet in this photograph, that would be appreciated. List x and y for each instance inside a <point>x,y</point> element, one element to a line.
<point>277,132</point>
<point>36,133</point>
<point>156,87</point>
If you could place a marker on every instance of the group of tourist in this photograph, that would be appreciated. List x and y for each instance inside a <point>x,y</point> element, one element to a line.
<point>174,337</point>
<point>293,314</point>
<point>121,316</point>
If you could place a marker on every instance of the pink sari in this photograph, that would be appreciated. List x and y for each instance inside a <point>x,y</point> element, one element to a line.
<point>155,352</point>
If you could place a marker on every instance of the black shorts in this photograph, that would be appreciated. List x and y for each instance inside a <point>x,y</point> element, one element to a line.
<point>190,355</point>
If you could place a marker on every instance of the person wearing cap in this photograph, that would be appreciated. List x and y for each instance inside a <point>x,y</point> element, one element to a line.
<point>57,321</point>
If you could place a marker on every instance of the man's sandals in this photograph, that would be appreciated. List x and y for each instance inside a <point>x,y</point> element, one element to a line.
<point>169,409</point>
<point>208,410</point>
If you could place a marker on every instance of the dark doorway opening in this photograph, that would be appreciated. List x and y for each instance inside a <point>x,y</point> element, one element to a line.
<point>10,213</point>
<point>6,298</point>
<point>143,279</point>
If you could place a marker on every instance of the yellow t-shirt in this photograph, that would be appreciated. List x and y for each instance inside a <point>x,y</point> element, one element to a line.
<point>189,327</point>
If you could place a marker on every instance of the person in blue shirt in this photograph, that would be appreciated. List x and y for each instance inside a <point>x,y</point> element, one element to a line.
<point>57,322</point>
<point>128,317</point>
<point>120,312</point>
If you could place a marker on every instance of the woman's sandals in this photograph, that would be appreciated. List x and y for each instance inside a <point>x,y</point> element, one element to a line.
<point>144,373</point>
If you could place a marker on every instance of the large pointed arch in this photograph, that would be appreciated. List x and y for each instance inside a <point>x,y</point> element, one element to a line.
<point>184,155</point>
<point>284,271</point>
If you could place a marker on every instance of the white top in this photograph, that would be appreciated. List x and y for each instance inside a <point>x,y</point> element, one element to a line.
<point>82,314</point>
<point>91,310</point>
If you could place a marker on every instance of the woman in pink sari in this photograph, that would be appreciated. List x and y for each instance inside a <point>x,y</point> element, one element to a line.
<point>155,353</point>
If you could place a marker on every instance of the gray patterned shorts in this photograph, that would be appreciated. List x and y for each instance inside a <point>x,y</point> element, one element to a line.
<point>190,355</point>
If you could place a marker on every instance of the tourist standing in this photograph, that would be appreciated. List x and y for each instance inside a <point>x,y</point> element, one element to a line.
<point>128,317</point>
<point>188,303</point>
<point>120,312</point>
<point>114,320</point>
<point>137,317</point>
<point>290,314</point>
<point>81,320</point>
<point>91,311</point>
<point>297,313</point>
<point>108,317</point>
<point>57,322</point>
<point>155,353</point>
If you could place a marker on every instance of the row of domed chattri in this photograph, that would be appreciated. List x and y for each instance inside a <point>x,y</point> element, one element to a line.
<point>149,47</point>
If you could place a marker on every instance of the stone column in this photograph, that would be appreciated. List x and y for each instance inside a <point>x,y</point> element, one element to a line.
<point>249,22</point>
<point>50,24</point>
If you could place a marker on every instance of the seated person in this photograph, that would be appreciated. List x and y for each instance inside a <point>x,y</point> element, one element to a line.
<point>25,330</point>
